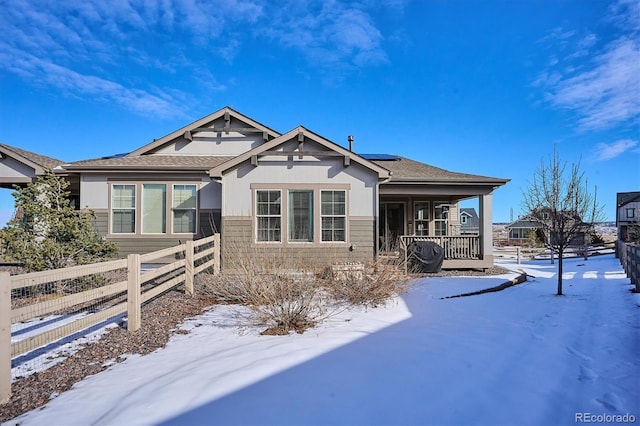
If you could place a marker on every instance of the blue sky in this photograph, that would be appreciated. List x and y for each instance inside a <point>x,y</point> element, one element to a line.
<point>483,87</point>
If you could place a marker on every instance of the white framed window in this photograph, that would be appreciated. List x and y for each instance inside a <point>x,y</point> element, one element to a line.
<point>463,219</point>
<point>441,218</point>
<point>184,208</point>
<point>421,217</point>
<point>154,208</point>
<point>269,216</point>
<point>630,213</point>
<point>333,215</point>
<point>300,216</point>
<point>123,209</point>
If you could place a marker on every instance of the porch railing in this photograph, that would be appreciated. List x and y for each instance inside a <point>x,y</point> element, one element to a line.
<point>455,247</point>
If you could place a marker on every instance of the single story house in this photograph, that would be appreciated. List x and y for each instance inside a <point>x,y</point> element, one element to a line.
<point>295,193</point>
<point>519,231</point>
<point>628,216</point>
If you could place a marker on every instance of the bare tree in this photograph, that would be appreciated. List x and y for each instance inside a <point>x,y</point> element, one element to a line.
<point>560,201</point>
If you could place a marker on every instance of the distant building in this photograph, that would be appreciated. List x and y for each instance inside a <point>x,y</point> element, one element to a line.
<point>469,221</point>
<point>628,216</point>
<point>520,230</point>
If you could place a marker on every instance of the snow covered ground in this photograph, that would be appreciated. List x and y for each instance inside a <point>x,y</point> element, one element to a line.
<point>520,356</point>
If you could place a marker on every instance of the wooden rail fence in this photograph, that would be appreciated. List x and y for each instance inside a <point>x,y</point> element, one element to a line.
<point>629,255</point>
<point>188,259</point>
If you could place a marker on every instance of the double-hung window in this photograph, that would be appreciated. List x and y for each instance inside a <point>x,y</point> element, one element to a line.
<point>441,218</point>
<point>123,209</point>
<point>333,214</point>
<point>269,216</point>
<point>421,218</point>
<point>184,209</point>
<point>154,208</point>
<point>300,216</point>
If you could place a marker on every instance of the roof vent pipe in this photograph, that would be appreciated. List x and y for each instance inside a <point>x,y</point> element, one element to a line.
<point>350,139</point>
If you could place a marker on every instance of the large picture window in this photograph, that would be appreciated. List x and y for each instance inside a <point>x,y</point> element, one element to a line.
<point>269,216</point>
<point>154,208</point>
<point>333,213</point>
<point>300,216</point>
<point>123,209</point>
<point>184,209</point>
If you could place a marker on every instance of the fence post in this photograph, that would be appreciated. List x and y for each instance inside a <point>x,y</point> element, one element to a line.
<point>216,254</point>
<point>5,337</point>
<point>133,293</point>
<point>518,254</point>
<point>188,267</point>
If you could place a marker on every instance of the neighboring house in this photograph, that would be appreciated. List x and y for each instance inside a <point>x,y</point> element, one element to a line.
<point>628,216</point>
<point>539,222</point>
<point>520,230</point>
<point>469,221</point>
<point>297,194</point>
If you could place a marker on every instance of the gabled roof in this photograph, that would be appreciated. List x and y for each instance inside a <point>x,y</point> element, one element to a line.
<point>470,211</point>
<point>405,170</point>
<point>293,134</point>
<point>36,161</point>
<point>624,198</point>
<point>203,122</point>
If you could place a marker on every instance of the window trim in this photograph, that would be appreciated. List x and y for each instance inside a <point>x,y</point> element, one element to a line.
<point>445,221</point>
<point>417,220</point>
<point>333,216</point>
<point>173,209</point>
<point>256,217</point>
<point>138,185</point>
<point>316,189</point>
<point>113,209</point>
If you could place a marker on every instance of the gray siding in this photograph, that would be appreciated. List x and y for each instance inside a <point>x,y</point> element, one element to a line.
<point>238,246</point>
<point>134,244</point>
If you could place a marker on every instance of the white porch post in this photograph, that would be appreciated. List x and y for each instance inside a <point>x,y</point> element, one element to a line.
<point>486,226</point>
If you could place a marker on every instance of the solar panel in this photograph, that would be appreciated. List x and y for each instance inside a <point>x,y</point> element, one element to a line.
<point>380,157</point>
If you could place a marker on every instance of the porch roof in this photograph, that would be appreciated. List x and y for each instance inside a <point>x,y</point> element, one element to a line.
<point>405,170</point>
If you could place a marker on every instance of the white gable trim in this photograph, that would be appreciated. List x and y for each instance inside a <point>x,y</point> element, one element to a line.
<point>299,133</point>
<point>201,123</point>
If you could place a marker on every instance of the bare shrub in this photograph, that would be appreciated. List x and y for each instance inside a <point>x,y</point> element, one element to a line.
<point>282,293</point>
<point>370,285</point>
<point>291,294</point>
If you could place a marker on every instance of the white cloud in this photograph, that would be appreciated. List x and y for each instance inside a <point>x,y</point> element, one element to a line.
<point>608,151</point>
<point>330,34</point>
<point>600,85</point>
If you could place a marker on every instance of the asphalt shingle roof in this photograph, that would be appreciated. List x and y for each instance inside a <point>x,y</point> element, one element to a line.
<point>186,162</point>
<point>405,169</point>
<point>41,160</point>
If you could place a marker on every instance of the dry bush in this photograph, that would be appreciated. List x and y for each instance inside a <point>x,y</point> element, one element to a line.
<point>288,294</point>
<point>282,293</point>
<point>369,285</point>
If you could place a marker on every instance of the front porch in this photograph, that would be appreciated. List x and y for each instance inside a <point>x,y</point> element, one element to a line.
<point>405,218</point>
<point>460,251</point>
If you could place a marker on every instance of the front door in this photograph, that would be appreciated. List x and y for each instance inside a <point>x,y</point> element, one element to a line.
<point>392,226</point>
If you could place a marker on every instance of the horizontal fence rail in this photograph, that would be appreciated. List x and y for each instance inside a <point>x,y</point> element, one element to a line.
<point>135,287</point>
<point>523,252</point>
